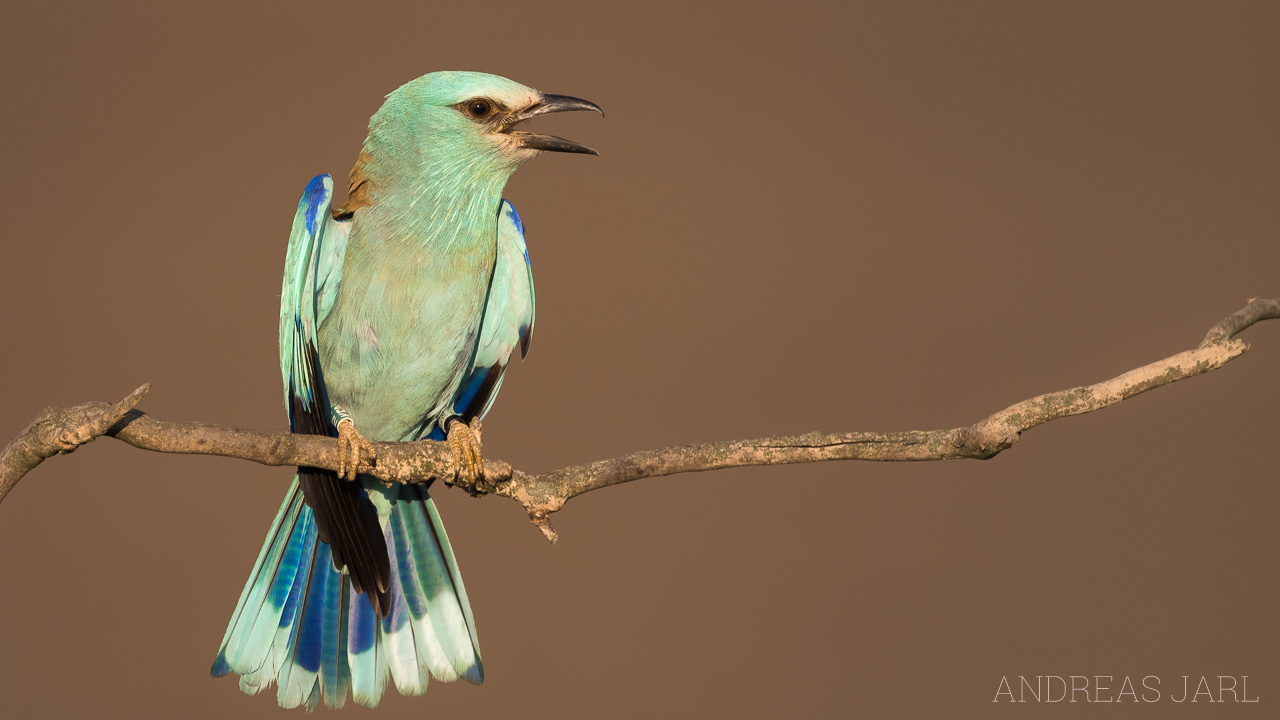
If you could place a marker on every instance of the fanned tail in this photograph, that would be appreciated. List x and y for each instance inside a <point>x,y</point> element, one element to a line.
<point>300,624</point>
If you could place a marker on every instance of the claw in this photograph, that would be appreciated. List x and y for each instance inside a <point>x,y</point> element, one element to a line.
<point>351,445</point>
<point>468,464</point>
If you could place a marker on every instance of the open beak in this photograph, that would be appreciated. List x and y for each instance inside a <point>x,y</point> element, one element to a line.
<point>546,105</point>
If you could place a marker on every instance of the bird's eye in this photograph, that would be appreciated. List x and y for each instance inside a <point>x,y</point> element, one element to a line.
<point>479,108</point>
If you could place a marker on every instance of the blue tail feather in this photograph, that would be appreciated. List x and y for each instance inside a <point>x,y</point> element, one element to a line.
<point>446,619</point>
<point>473,673</point>
<point>245,644</point>
<point>334,671</point>
<point>299,671</point>
<point>428,646</point>
<point>298,622</point>
<point>408,672</point>
<point>295,680</point>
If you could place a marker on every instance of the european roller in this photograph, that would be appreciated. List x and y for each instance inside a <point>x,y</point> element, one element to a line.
<point>398,314</point>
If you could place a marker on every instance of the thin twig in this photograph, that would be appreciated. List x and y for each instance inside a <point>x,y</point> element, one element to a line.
<point>61,430</point>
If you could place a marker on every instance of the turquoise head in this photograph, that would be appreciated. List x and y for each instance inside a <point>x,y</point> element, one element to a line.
<point>453,126</point>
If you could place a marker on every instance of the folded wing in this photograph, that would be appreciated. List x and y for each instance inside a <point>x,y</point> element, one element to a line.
<point>345,519</point>
<point>508,318</point>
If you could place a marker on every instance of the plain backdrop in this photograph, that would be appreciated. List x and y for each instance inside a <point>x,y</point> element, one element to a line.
<point>836,216</point>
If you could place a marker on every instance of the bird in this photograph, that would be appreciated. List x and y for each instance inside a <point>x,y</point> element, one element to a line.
<point>399,312</point>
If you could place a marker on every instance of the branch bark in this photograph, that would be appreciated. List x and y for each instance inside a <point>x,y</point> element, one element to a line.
<point>61,430</point>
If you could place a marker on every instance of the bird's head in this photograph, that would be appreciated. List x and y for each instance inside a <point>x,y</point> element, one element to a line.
<point>474,118</point>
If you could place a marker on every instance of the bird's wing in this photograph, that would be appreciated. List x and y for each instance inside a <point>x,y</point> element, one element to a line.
<point>345,518</point>
<point>508,318</point>
<point>312,274</point>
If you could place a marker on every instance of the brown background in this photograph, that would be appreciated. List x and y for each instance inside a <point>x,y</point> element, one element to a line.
<point>885,217</point>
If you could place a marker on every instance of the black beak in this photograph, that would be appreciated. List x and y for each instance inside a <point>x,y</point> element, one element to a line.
<point>546,105</point>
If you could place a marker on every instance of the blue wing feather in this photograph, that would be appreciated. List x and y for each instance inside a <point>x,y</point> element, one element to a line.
<point>344,516</point>
<point>508,318</point>
<point>313,272</point>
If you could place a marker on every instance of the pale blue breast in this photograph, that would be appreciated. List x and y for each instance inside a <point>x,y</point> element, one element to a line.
<point>404,326</point>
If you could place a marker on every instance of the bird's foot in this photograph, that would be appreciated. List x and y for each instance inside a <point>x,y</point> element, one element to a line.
<point>468,464</point>
<point>351,447</point>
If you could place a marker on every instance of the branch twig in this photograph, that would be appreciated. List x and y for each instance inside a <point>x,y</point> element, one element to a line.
<point>62,430</point>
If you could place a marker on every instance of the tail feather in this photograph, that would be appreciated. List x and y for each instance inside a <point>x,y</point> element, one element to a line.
<point>243,648</point>
<point>220,665</point>
<point>410,673</point>
<point>448,619</point>
<point>299,674</point>
<point>428,647</point>
<point>300,623</point>
<point>335,673</point>
<point>281,600</point>
<point>362,654</point>
<point>473,672</point>
<point>275,654</point>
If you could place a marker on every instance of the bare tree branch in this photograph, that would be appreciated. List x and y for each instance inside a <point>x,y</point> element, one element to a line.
<point>62,430</point>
